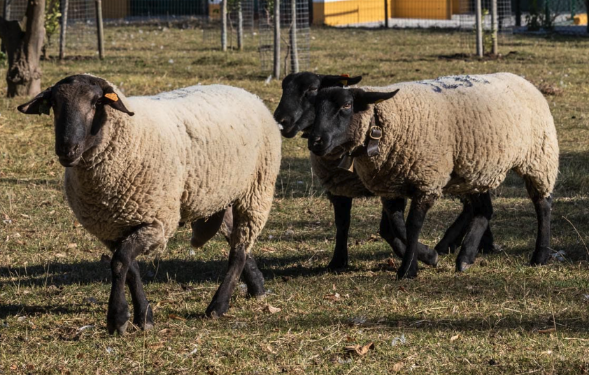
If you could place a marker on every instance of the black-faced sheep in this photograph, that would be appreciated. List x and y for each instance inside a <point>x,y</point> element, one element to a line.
<point>296,113</point>
<point>184,155</point>
<point>458,135</point>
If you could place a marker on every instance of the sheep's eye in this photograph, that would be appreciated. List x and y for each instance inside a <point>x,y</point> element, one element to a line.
<point>312,90</point>
<point>347,106</point>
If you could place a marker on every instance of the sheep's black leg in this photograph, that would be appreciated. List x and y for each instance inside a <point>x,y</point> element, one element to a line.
<point>488,245</point>
<point>204,229</point>
<point>482,213</point>
<point>543,208</point>
<point>142,314</point>
<point>118,310</point>
<point>454,235</point>
<point>220,303</point>
<point>342,206</point>
<point>392,229</point>
<point>143,239</point>
<point>417,214</point>
<point>253,278</point>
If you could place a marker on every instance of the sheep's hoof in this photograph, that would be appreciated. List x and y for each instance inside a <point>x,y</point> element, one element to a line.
<point>120,329</point>
<point>337,265</point>
<point>406,272</point>
<point>493,249</point>
<point>217,309</point>
<point>462,266</point>
<point>144,320</point>
<point>431,259</point>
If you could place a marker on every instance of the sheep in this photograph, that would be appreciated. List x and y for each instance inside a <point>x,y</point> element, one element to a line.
<point>295,112</point>
<point>184,155</point>
<point>457,135</point>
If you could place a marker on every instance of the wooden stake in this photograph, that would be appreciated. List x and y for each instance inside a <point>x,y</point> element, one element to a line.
<point>99,29</point>
<point>64,8</point>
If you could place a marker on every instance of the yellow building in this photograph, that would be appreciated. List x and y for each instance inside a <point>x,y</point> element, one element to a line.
<point>344,12</point>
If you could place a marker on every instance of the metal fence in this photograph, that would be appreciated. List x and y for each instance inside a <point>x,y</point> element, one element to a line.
<point>301,34</point>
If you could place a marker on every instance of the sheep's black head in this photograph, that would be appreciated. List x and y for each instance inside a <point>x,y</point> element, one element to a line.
<point>78,104</point>
<point>295,111</point>
<point>334,109</point>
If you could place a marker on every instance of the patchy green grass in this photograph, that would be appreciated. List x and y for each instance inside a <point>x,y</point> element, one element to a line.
<point>500,317</point>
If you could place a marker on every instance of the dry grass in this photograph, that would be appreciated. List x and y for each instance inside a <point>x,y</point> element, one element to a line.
<point>502,316</point>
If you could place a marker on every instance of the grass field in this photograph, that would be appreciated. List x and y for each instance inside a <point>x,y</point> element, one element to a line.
<point>500,317</point>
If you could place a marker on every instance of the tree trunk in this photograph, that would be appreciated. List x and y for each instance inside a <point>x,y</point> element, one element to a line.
<point>23,48</point>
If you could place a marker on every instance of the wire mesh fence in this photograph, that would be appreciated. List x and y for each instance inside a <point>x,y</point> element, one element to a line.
<point>240,22</point>
<point>80,33</point>
<point>561,16</point>
<point>299,29</point>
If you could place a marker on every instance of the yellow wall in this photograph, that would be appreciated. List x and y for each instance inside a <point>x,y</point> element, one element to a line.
<point>345,12</point>
<point>349,11</point>
<point>115,8</point>
<point>433,9</point>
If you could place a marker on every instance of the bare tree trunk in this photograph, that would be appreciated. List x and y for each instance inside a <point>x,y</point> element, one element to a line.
<point>479,27</point>
<point>494,27</point>
<point>277,39</point>
<point>239,27</point>
<point>99,29</point>
<point>63,28</point>
<point>294,53</point>
<point>224,25</point>
<point>24,50</point>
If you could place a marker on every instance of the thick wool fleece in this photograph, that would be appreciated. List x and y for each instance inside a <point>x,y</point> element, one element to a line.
<point>458,135</point>
<point>335,180</point>
<point>185,155</point>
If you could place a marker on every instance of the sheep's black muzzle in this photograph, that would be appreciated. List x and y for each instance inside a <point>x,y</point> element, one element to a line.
<point>318,145</point>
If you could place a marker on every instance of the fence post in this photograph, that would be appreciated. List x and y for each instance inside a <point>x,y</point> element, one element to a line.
<point>494,27</point>
<point>587,12</point>
<point>99,29</point>
<point>224,25</point>
<point>479,28</point>
<point>239,26</point>
<point>518,13</point>
<point>277,39</point>
<point>386,14</point>
<point>64,6</point>
<point>294,53</point>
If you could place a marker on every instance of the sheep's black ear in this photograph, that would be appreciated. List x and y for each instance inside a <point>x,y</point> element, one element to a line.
<point>338,81</point>
<point>39,105</point>
<point>363,98</point>
<point>112,99</point>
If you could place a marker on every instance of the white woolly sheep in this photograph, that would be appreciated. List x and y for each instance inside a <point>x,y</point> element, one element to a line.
<point>296,113</point>
<point>457,135</point>
<point>186,154</point>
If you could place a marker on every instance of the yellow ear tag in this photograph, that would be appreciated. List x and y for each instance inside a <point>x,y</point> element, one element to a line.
<point>112,96</point>
<point>344,82</point>
<point>379,101</point>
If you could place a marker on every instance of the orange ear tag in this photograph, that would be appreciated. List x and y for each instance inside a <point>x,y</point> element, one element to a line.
<point>112,96</point>
<point>345,75</point>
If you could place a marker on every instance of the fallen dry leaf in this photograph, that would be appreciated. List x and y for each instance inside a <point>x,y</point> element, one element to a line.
<point>156,346</point>
<point>174,316</point>
<point>268,249</point>
<point>271,309</point>
<point>72,245</point>
<point>549,330</point>
<point>397,366</point>
<point>332,297</point>
<point>454,338</point>
<point>360,350</point>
